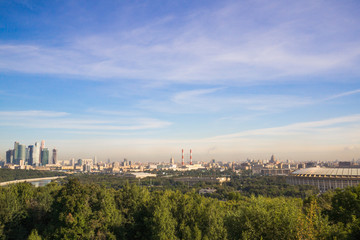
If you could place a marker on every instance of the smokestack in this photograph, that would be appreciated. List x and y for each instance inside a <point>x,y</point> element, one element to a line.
<point>190,157</point>
<point>182,163</point>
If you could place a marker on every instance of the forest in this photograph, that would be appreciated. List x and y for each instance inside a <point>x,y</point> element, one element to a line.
<point>15,174</point>
<point>76,210</point>
<point>268,186</point>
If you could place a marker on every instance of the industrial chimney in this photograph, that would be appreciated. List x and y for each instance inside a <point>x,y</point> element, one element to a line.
<point>182,158</point>
<point>190,157</point>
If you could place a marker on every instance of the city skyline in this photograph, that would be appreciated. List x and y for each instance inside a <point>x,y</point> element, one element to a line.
<point>143,80</point>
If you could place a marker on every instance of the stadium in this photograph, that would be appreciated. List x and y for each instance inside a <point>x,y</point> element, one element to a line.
<point>325,178</point>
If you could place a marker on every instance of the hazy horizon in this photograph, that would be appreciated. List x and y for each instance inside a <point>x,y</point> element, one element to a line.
<point>142,80</point>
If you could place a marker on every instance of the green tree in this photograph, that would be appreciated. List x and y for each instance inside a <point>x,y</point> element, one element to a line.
<point>345,205</point>
<point>264,218</point>
<point>34,235</point>
<point>162,222</point>
<point>132,202</point>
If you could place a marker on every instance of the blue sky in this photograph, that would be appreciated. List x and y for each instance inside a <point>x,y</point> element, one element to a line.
<point>144,79</point>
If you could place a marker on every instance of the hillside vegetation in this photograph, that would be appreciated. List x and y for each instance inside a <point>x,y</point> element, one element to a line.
<point>91,211</point>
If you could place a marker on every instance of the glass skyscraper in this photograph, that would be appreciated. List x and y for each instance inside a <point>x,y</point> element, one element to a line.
<point>36,160</point>
<point>44,156</point>
<point>31,155</point>
<point>21,153</point>
<point>54,156</point>
<point>16,152</point>
<point>9,156</point>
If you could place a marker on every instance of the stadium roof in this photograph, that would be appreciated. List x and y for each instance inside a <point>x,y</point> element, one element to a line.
<point>328,172</point>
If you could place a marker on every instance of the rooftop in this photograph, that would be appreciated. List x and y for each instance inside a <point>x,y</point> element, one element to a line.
<point>328,172</point>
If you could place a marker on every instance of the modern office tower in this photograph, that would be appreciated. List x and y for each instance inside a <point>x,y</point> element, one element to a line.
<point>54,156</point>
<point>21,154</point>
<point>16,151</point>
<point>30,152</point>
<point>41,148</point>
<point>27,155</point>
<point>36,158</point>
<point>9,156</point>
<point>44,156</point>
<point>37,154</point>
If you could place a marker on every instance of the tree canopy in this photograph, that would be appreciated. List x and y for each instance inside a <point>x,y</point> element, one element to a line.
<point>76,210</point>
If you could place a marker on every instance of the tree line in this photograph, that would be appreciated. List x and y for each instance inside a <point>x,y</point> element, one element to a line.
<point>269,186</point>
<point>16,174</point>
<point>76,210</point>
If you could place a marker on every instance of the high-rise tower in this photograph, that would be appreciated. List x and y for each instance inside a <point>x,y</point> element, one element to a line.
<point>37,152</point>
<point>41,149</point>
<point>21,156</point>
<point>44,156</point>
<point>31,155</point>
<point>9,156</point>
<point>54,156</point>
<point>16,151</point>
<point>272,159</point>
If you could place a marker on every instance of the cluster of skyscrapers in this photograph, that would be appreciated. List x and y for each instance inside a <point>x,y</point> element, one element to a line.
<point>35,155</point>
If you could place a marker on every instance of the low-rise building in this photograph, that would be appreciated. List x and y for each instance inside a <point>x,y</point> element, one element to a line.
<point>139,175</point>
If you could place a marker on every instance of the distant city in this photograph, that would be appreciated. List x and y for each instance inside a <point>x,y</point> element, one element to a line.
<point>324,175</point>
<point>33,155</point>
<point>38,157</point>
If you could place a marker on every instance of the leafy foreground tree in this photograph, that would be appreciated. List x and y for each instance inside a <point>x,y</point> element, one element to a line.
<point>89,211</point>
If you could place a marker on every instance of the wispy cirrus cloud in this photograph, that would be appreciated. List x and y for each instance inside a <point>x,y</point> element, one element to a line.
<point>294,129</point>
<point>221,100</point>
<point>60,120</point>
<point>343,94</point>
<point>212,100</point>
<point>32,113</point>
<point>186,96</point>
<point>111,112</point>
<point>234,49</point>
<point>329,135</point>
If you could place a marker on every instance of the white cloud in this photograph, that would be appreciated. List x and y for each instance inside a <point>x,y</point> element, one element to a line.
<point>309,128</point>
<point>61,120</point>
<point>31,113</point>
<point>182,97</point>
<point>210,46</point>
<point>220,100</point>
<point>215,100</point>
<point>344,94</point>
<point>111,113</point>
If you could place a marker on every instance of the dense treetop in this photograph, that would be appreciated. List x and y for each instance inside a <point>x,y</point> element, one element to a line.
<point>91,211</point>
